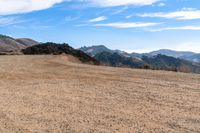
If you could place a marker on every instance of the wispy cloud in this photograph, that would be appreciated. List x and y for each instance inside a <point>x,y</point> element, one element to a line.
<point>111,3</point>
<point>5,21</point>
<point>8,7</point>
<point>120,10</point>
<point>98,19</point>
<point>127,25</point>
<point>184,14</point>
<point>193,28</point>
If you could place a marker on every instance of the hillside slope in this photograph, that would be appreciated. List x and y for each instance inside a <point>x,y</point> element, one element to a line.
<point>9,44</point>
<point>48,93</point>
<point>26,42</point>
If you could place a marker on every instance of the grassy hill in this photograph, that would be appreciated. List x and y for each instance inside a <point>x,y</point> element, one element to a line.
<point>57,49</point>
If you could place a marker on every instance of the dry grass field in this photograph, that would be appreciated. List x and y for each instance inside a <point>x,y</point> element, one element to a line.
<point>57,94</point>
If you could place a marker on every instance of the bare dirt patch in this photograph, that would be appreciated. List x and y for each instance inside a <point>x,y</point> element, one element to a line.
<point>54,94</point>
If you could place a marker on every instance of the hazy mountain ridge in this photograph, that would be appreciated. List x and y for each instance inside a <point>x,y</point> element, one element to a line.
<point>9,44</point>
<point>186,55</point>
<point>154,60</point>
<point>117,60</point>
<point>94,50</point>
<point>172,53</point>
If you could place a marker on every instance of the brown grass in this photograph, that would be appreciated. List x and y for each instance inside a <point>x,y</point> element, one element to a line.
<point>52,94</point>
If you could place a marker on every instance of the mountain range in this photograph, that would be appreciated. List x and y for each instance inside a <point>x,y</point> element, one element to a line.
<point>158,60</point>
<point>186,55</point>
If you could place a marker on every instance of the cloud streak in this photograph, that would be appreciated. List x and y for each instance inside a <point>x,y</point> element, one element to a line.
<point>98,19</point>
<point>180,15</point>
<point>192,28</point>
<point>112,3</point>
<point>5,21</point>
<point>126,25</point>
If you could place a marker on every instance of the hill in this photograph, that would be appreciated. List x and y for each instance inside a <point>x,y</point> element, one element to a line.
<point>190,56</point>
<point>27,42</point>
<point>57,49</point>
<point>171,53</point>
<point>94,50</point>
<point>163,62</point>
<point>49,93</point>
<point>9,44</point>
<point>194,57</point>
<point>158,62</point>
<point>117,60</point>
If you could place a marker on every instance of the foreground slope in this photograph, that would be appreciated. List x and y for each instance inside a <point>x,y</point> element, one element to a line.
<point>49,93</point>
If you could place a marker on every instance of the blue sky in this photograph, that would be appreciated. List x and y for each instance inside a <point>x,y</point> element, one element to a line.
<point>130,25</point>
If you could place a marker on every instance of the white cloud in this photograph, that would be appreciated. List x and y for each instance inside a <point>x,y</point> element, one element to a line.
<point>8,7</point>
<point>127,25</point>
<point>194,28</point>
<point>185,14</point>
<point>110,3</point>
<point>98,19</point>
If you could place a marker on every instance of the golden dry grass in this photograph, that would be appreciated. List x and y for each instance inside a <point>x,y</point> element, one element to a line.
<point>47,94</point>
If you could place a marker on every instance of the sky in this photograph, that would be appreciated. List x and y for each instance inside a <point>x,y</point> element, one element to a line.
<point>129,25</point>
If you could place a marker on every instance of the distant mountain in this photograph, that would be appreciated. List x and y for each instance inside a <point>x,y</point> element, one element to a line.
<point>186,55</point>
<point>158,62</point>
<point>195,58</point>
<point>118,60</point>
<point>9,44</point>
<point>172,53</point>
<point>94,50</point>
<point>190,56</point>
<point>163,62</point>
<point>57,49</point>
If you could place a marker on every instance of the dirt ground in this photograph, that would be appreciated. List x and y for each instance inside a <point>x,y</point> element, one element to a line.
<point>54,94</point>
